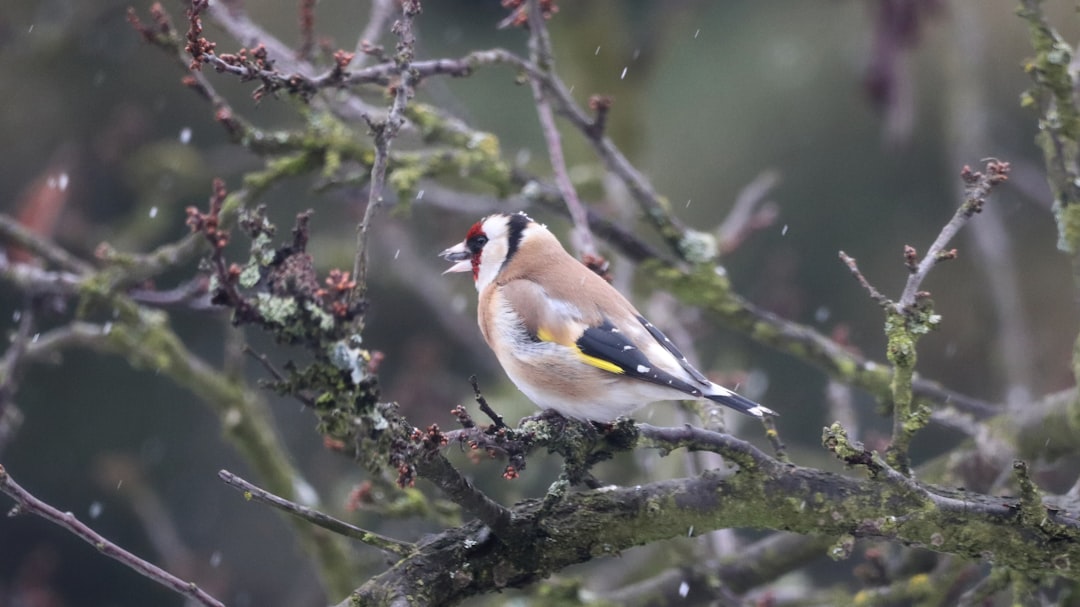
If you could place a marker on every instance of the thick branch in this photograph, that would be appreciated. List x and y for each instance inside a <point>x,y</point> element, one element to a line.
<point>765,493</point>
<point>437,469</point>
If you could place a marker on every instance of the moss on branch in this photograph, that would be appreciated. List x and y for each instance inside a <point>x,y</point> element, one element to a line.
<point>469,560</point>
<point>706,287</point>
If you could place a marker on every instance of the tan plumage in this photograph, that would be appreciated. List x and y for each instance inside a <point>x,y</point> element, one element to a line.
<point>565,337</point>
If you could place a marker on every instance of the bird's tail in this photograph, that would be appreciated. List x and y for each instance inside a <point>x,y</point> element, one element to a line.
<point>739,403</point>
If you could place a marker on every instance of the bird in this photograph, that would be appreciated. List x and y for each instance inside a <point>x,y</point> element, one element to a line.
<point>566,338</point>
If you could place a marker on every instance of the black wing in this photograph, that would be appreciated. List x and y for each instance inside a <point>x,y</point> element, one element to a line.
<point>670,347</point>
<point>607,344</point>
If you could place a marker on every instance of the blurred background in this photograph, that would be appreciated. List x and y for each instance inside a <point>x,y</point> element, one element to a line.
<point>861,112</point>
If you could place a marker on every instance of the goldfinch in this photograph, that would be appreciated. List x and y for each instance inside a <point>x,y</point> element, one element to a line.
<point>566,338</point>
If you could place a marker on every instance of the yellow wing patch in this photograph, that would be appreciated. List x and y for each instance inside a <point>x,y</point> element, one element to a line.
<point>599,363</point>
<point>544,334</point>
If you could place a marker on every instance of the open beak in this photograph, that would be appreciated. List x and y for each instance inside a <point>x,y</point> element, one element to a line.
<point>459,254</point>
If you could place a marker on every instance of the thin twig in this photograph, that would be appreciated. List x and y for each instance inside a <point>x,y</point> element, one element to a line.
<point>26,502</point>
<point>540,52</point>
<point>740,452</point>
<point>653,207</point>
<point>978,188</point>
<point>751,211</point>
<point>484,406</point>
<point>236,22</point>
<point>307,29</point>
<point>263,360</point>
<point>651,203</point>
<point>111,472</point>
<point>381,12</point>
<point>854,453</point>
<point>779,448</point>
<point>141,338</point>
<point>874,293</point>
<point>384,135</point>
<point>251,492</point>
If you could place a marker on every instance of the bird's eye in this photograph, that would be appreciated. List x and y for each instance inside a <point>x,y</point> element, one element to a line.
<point>477,242</point>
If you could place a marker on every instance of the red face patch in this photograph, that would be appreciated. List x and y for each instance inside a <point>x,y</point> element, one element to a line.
<point>475,241</point>
<point>476,230</point>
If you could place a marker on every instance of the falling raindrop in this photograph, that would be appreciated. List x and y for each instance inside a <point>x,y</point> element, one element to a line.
<point>822,314</point>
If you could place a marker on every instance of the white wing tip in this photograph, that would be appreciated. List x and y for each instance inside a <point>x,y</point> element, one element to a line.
<point>739,403</point>
<point>759,411</point>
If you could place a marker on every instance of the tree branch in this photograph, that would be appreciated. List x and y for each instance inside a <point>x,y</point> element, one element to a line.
<point>144,339</point>
<point>251,492</point>
<point>14,233</point>
<point>765,493</point>
<point>26,502</point>
<point>540,52</point>
<point>385,132</point>
<point>978,188</point>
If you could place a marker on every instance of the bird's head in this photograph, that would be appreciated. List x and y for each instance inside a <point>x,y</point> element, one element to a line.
<point>489,245</point>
